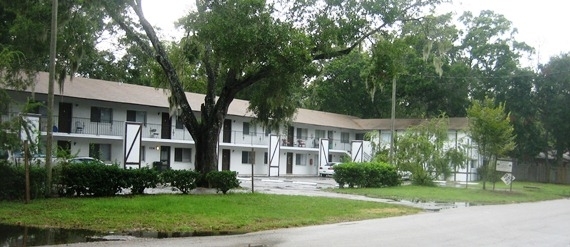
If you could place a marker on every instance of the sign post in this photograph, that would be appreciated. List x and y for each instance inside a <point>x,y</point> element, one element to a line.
<point>506,166</point>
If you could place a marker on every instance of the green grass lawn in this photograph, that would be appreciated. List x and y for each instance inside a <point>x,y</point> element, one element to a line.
<point>521,192</point>
<point>232,213</point>
<point>243,212</point>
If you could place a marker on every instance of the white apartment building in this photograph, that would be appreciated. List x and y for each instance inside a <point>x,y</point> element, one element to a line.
<point>90,115</point>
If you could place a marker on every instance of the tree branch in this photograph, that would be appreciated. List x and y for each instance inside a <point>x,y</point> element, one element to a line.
<point>349,49</point>
<point>187,116</point>
<point>212,81</point>
<point>129,31</point>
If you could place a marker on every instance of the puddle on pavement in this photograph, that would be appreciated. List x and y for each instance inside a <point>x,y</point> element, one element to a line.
<point>32,236</point>
<point>12,236</point>
<point>437,206</point>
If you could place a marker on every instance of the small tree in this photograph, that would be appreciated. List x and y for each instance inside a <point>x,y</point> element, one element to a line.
<point>422,151</point>
<point>490,128</point>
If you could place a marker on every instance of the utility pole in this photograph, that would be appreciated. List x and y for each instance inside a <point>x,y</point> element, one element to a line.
<point>52,55</point>
<point>393,120</point>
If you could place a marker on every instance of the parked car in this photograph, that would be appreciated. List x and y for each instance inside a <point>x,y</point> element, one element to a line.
<point>327,169</point>
<point>85,160</point>
<point>34,159</point>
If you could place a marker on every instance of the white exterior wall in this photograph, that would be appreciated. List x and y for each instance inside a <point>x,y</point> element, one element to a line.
<point>260,167</point>
<point>111,133</point>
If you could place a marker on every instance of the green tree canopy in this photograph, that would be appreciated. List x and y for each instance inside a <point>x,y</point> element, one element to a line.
<point>553,89</point>
<point>269,46</point>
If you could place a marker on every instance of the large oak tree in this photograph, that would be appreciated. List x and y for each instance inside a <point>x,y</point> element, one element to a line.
<point>266,46</point>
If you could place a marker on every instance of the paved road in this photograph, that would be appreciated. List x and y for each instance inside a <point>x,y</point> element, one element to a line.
<point>528,224</point>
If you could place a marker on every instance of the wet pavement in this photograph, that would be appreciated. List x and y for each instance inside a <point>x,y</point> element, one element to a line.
<point>314,186</point>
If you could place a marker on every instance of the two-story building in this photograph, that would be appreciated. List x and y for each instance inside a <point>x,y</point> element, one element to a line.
<point>90,115</point>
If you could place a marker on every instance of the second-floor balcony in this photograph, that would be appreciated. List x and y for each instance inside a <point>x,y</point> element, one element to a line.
<point>84,126</point>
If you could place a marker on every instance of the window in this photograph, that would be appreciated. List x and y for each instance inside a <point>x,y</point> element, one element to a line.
<point>100,151</point>
<point>101,115</point>
<point>302,133</point>
<point>300,159</point>
<point>179,123</point>
<point>183,154</point>
<point>359,136</point>
<point>319,134</point>
<point>246,157</point>
<point>246,128</point>
<point>136,116</point>
<point>344,137</point>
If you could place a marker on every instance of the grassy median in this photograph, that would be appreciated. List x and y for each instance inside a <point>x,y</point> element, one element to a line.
<point>521,192</point>
<point>232,213</point>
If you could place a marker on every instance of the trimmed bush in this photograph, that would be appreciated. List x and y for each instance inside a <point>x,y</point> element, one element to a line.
<point>351,174</point>
<point>140,179</point>
<point>183,180</point>
<point>369,175</point>
<point>90,179</point>
<point>13,181</point>
<point>223,180</point>
<point>380,175</point>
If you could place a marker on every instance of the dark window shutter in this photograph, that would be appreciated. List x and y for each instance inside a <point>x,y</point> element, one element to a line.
<point>95,114</point>
<point>132,116</point>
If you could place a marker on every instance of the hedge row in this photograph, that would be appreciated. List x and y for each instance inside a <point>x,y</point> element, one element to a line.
<point>103,180</point>
<point>13,181</point>
<point>93,179</point>
<point>366,175</point>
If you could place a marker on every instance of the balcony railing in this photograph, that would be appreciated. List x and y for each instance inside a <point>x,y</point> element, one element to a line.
<point>253,138</point>
<point>238,137</point>
<point>113,128</point>
<point>80,126</point>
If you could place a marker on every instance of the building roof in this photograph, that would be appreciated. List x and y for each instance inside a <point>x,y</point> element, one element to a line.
<point>85,88</point>
<point>402,124</point>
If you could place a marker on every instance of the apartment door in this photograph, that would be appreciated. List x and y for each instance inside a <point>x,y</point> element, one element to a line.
<point>166,128</point>
<point>227,136</point>
<point>165,156</point>
<point>226,153</point>
<point>289,163</point>
<point>64,118</point>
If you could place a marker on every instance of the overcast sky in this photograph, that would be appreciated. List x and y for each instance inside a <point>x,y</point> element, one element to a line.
<point>543,24</point>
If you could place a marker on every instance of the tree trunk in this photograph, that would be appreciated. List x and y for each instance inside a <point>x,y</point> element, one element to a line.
<point>485,172</point>
<point>206,143</point>
<point>207,152</point>
<point>494,170</point>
